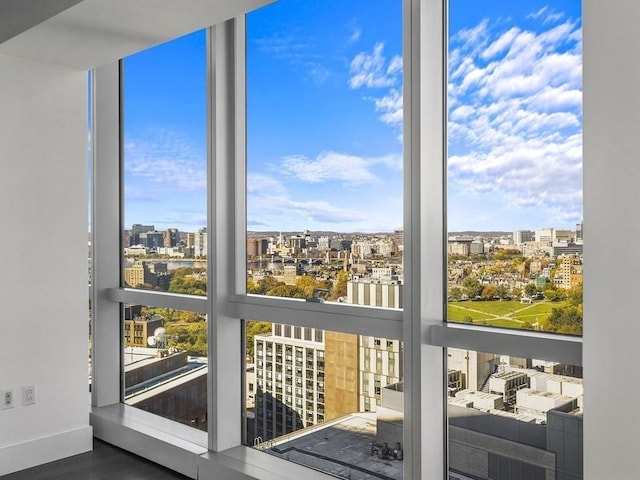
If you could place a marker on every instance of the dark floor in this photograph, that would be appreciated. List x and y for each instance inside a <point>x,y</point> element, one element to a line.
<point>105,462</point>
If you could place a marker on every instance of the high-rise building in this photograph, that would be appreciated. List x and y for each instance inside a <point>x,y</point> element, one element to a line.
<point>139,273</point>
<point>398,239</point>
<point>290,380</point>
<point>170,237</point>
<point>257,247</point>
<point>545,235</point>
<point>200,243</point>
<point>151,239</point>
<point>579,233</point>
<point>137,229</point>
<point>522,236</point>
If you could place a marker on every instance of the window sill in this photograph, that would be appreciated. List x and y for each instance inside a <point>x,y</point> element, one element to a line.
<point>180,448</point>
<point>162,441</point>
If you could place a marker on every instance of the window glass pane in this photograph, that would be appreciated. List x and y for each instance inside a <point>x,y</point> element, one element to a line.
<point>514,207</point>
<point>165,363</point>
<point>324,147</point>
<point>513,417</point>
<point>317,403</point>
<point>165,167</point>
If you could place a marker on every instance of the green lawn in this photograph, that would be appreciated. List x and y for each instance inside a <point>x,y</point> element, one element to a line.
<point>505,313</point>
<point>457,314</point>
<point>503,322</point>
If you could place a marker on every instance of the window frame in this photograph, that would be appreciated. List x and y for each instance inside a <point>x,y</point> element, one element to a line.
<point>420,325</point>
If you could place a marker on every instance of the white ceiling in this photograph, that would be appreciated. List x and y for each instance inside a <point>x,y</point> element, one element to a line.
<point>95,32</point>
<point>17,16</point>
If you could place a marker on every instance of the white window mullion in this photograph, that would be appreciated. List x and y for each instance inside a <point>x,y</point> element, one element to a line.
<point>425,149</point>
<point>225,356</point>
<point>106,328</point>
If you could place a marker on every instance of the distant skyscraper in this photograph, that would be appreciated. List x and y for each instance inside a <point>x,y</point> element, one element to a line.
<point>522,236</point>
<point>545,235</point>
<point>170,237</point>
<point>137,229</point>
<point>579,231</point>
<point>201,240</point>
<point>398,237</point>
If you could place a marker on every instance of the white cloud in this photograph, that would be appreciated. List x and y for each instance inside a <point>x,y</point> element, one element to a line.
<point>539,13</point>
<point>334,166</point>
<point>270,205</point>
<point>473,38</point>
<point>502,43</point>
<point>390,108</point>
<point>515,115</point>
<point>355,35</point>
<point>299,53</point>
<point>371,69</point>
<point>165,158</point>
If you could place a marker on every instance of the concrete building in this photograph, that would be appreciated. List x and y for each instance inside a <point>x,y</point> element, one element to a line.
<point>138,329</point>
<point>290,380</point>
<point>522,236</point>
<point>460,246</point>
<point>137,229</point>
<point>380,293</point>
<point>138,274</point>
<point>151,239</point>
<point>257,247</point>
<point>170,237</point>
<point>200,243</point>
<point>167,385</point>
<point>545,235</point>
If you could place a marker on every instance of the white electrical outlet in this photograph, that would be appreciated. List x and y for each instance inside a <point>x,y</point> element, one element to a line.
<point>29,395</point>
<point>6,398</point>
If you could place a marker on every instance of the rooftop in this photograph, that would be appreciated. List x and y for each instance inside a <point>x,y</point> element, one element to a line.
<point>341,448</point>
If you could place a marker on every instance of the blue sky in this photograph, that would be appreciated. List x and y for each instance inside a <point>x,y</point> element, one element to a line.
<point>324,119</point>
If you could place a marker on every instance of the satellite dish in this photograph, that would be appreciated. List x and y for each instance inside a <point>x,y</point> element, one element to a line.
<point>151,341</point>
<point>159,332</point>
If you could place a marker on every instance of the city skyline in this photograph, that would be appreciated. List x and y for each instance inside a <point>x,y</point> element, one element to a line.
<point>324,121</point>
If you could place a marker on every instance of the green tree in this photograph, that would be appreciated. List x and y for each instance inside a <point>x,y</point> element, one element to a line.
<point>566,319</point>
<point>252,329</point>
<point>191,338</point>
<point>288,291</point>
<point>263,285</point>
<point>489,291</point>
<point>472,287</point>
<point>306,284</point>
<point>530,290</point>
<point>552,295</point>
<point>340,285</point>
<point>182,283</point>
<point>502,292</point>
<point>455,294</point>
<point>574,295</point>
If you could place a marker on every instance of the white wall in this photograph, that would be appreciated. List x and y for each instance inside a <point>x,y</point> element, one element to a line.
<point>612,210</point>
<point>43,275</point>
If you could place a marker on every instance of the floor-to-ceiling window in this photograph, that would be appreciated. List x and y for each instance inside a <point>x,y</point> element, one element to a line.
<point>514,234</point>
<point>315,192</point>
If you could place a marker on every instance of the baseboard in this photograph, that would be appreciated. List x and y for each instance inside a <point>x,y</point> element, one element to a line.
<point>44,450</point>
